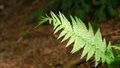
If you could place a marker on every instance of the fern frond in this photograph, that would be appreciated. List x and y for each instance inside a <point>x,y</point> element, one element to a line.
<point>116,47</point>
<point>82,37</point>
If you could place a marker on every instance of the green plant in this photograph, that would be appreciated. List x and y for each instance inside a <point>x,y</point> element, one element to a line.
<point>82,37</point>
<point>25,32</point>
<point>117,50</point>
<point>34,54</point>
<point>99,10</point>
<point>94,24</point>
<point>106,6</point>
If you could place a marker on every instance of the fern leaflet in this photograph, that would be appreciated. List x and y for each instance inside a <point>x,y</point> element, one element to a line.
<point>82,37</point>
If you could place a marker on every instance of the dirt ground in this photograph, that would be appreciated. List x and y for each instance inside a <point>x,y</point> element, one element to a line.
<point>40,47</point>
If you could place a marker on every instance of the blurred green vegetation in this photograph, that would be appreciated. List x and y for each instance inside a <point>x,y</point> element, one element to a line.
<point>96,10</point>
<point>117,58</point>
<point>24,33</point>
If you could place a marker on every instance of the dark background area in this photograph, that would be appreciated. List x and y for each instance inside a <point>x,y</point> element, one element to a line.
<point>21,46</point>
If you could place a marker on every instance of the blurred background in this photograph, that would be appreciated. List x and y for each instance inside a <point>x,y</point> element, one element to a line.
<point>21,46</point>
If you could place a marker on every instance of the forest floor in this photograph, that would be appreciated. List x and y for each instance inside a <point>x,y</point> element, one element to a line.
<point>40,47</point>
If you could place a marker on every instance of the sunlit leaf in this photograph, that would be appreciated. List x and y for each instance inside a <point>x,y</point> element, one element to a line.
<point>82,37</point>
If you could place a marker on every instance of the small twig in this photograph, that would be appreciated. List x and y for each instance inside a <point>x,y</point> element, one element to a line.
<point>116,32</point>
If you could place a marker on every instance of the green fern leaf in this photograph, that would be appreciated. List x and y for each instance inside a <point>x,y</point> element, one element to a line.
<point>116,47</point>
<point>109,54</point>
<point>78,33</point>
<point>86,50</point>
<point>59,28</point>
<point>43,20</point>
<point>72,39</point>
<point>104,49</point>
<point>74,25</point>
<point>97,57</point>
<point>91,30</point>
<point>65,22</point>
<point>50,20</point>
<point>91,52</point>
<point>55,17</point>
<point>62,33</point>
<point>56,25</point>
<point>68,35</point>
<point>79,43</point>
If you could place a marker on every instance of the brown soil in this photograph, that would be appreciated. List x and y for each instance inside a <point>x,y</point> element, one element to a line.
<point>40,48</point>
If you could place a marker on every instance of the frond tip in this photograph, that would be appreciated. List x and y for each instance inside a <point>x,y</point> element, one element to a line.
<point>82,37</point>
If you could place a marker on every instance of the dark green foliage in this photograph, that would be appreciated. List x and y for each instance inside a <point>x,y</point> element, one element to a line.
<point>117,58</point>
<point>111,11</point>
<point>94,24</point>
<point>34,54</point>
<point>37,14</point>
<point>41,11</point>
<point>81,8</point>
<point>119,14</point>
<point>25,32</point>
